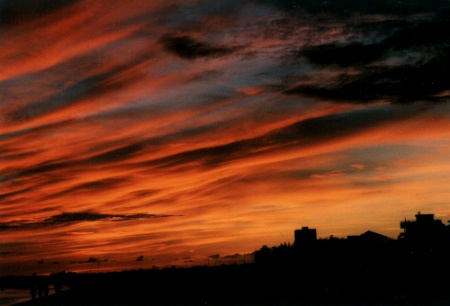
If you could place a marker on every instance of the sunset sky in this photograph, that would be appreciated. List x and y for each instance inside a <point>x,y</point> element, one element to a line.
<point>143,133</point>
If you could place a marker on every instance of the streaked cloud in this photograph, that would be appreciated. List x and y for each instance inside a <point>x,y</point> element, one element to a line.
<point>187,47</point>
<point>214,127</point>
<point>391,68</point>
<point>14,12</point>
<point>75,217</point>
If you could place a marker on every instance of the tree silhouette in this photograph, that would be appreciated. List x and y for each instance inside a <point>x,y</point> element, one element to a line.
<point>215,257</point>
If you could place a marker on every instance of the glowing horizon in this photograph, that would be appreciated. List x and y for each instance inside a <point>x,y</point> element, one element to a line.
<point>174,130</point>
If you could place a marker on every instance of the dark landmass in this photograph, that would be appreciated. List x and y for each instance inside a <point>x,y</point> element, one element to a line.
<point>369,269</point>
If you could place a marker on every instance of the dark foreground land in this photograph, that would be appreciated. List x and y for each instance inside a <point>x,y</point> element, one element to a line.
<point>411,282</point>
<point>369,269</point>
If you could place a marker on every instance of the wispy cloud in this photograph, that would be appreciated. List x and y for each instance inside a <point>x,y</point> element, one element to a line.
<point>300,134</point>
<point>13,12</point>
<point>76,217</point>
<point>390,69</point>
<point>187,47</point>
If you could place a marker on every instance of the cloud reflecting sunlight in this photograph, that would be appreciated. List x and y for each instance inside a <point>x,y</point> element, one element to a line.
<point>148,133</point>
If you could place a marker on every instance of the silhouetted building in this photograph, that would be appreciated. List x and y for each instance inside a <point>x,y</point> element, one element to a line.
<point>305,237</point>
<point>424,229</point>
<point>369,236</point>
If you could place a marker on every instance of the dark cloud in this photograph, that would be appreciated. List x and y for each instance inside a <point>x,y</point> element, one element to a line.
<point>401,84</point>
<point>135,148</point>
<point>303,133</point>
<point>90,216</point>
<point>187,47</point>
<point>93,259</point>
<point>91,187</point>
<point>140,258</point>
<point>9,253</point>
<point>425,36</point>
<point>46,167</point>
<point>18,156</point>
<point>353,54</point>
<point>31,131</point>
<point>63,98</point>
<point>410,65</point>
<point>145,192</point>
<point>7,195</point>
<point>299,134</point>
<point>76,217</point>
<point>334,126</point>
<point>53,166</point>
<point>348,7</point>
<point>117,154</point>
<point>89,87</point>
<point>89,260</point>
<point>74,84</point>
<point>13,12</point>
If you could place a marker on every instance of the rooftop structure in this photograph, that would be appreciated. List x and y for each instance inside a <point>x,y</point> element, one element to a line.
<point>424,229</point>
<point>304,236</point>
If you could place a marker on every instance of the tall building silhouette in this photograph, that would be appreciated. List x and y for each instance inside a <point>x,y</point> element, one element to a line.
<point>305,237</point>
<point>424,229</point>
